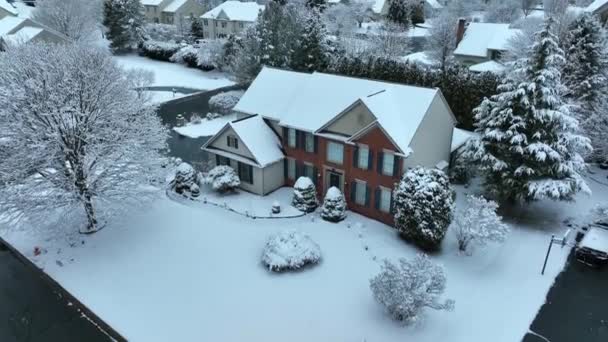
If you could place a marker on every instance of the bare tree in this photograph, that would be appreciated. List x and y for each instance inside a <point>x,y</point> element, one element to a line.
<point>74,134</point>
<point>441,41</point>
<point>77,19</point>
<point>390,41</point>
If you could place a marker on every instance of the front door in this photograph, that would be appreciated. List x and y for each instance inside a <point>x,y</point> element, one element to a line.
<point>334,179</point>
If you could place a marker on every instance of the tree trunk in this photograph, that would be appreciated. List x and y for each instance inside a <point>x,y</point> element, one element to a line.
<point>90,212</point>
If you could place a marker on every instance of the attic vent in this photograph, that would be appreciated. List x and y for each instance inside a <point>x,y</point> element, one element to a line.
<point>374,94</point>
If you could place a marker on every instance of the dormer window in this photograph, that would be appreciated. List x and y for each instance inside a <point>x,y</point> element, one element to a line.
<point>232,141</point>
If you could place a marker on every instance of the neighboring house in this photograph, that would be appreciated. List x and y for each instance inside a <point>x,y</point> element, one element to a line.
<point>172,12</point>
<point>229,18</point>
<point>380,7</point>
<point>482,42</point>
<point>7,10</point>
<point>599,8</point>
<point>16,31</point>
<point>355,134</point>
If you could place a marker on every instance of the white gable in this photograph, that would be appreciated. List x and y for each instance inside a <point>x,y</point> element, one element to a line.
<point>481,37</point>
<point>236,10</point>
<point>9,24</point>
<point>174,6</point>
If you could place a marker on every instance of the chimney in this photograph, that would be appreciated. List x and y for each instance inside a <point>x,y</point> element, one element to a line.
<point>460,30</point>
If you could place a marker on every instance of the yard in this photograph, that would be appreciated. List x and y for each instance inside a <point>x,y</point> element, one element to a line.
<point>183,271</point>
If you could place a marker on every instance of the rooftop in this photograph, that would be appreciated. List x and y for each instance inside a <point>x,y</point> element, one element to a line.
<point>8,7</point>
<point>236,10</point>
<point>596,6</point>
<point>481,37</point>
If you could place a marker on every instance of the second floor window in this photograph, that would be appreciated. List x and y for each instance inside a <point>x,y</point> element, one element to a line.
<point>291,137</point>
<point>335,152</point>
<point>232,141</point>
<point>223,24</point>
<point>205,22</point>
<point>363,157</point>
<point>388,164</point>
<point>309,142</point>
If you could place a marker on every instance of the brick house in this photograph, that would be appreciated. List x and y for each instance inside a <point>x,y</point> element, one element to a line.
<point>355,134</point>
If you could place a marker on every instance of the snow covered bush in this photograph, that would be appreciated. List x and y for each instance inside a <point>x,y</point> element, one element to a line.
<point>186,180</point>
<point>423,204</point>
<point>187,54</point>
<point>163,33</point>
<point>461,169</point>
<point>305,195</point>
<point>224,102</point>
<point>161,51</point>
<point>478,224</point>
<point>405,289</point>
<point>223,178</point>
<point>210,53</point>
<point>334,205</point>
<point>290,250</point>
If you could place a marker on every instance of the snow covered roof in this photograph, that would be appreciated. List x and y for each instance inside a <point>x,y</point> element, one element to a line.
<point>377,6</point>
<point>22,36</point>
<point>8,24</point>
<point>491,66</point>
<point>597,5</point>
<point>24,10</point>
<point>258,137</point>
<point>460,137</point>
<point>481,37</point>
<point>434,4</point>
<point>236,10</point>
<point>596,239</point>
<point>151,2</point>
<point>174,6</point>
<point>8,7</point>
<point>309,102</point>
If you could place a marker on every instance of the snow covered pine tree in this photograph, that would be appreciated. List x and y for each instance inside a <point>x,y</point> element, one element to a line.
<point>334,206</point>
<point>186,180</point>
<point>124,22</point>
<point>423,204</point>
<point>407,288</point>
<point>528,146</point>
<point>305,195</point>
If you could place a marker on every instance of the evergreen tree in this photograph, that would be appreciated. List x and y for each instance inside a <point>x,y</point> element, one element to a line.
<point>305,195</point>
<point>319,5</point>
<point>334,205</point>
<point>311,53</point>
<point>399,12</point>
<point>196,29</point>
<point>528,146</point>
<point>124,22</point>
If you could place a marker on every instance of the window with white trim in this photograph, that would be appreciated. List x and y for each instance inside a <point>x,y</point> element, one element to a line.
<point>291,169</point>
<point>385,200</point>
<point>232,141</point>
<point>335,152</point>
<point>360,192</point>
<point>388,163</point>
<point>363,158</point>
<point>291,137</point>
<point>309,143</point>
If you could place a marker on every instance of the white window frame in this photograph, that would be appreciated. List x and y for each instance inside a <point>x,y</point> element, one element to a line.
<point>332,153</point>
<point>388,156</point>
<point>291,137</point>
<point>232,141</point>
<point>365,164</point>
<point>360,192</point>
<point>384,204</point>
<point>291,169</point>
<point>309,142</point>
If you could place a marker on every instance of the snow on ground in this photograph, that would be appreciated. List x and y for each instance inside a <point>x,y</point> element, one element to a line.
<point>205,128</point>
<point>175,75</point>
<point>177,272</point>
<point>164,96</point>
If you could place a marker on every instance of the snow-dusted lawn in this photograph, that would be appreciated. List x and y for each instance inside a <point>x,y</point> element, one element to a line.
<point>206,128</point>
<point>175,75</point>
<point>164,96</point>
<point>177,272</point>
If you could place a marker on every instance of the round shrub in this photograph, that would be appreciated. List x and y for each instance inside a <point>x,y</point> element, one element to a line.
<point>305,195</point>
<point>290,250</point>
<point>334,206</point>
<point>223,178</point>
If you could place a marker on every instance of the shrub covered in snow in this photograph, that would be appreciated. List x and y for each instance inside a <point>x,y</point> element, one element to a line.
<point>305,195</point>
<point>405,289</point>
<point>478,223</point>
<point>334,205</point>
<point>290,250</point>
<point>186,180</point>
<point>223,178</point>
<point>187,54</point>
<point>163,33</point>
<point>210,53</point>
<point>462,169</point>
<point>224,102</point>
<point>161,51</point>
<point>423,204</point>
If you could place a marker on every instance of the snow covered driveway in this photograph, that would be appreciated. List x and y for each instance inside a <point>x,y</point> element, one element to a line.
<point>184,273</point>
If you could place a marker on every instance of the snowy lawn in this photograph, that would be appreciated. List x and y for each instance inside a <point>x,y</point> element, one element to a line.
<point>177,272</point>
<point>177,75</point>
<point>205,128</point>
<point>164,96</point>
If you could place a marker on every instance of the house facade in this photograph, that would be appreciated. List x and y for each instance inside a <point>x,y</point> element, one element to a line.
<point>357,135</point>
<point>479,43</point>
<point>171,12</point>
<point>229,18</point>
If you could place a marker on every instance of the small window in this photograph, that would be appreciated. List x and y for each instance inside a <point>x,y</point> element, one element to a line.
<point>205,22</point>
<point>360,192</point>
<point>215,23</point>
<point>388,164</point>
<point>291,137</point>
<point>335,152</point>
<point>220,160</point>
<point>223,24</point>
<point>385,200</point>
<point>246,173</point>
<point>241,25</point>
<point>291,169</point>
<point>363,158</point>
<point>310,143</point>
<point>232,141</point>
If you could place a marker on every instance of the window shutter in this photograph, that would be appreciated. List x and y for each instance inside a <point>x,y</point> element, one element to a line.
<point>285,136</point>
<point>353,191</point>
<point>228,140</point>
<point>315,176</point>
<point>367,195</point>
<point>316,141</point>
<point>356,156</point>
<point>236,143</point>
<point>217,160</point>
<point>396,166</point>
<point>285,168</point>
<point>392,208</point>
<point>377,198</point>
<point>250,172</point>
<point>380,162</point>
<point>370,159</point>
<point>238,169</point>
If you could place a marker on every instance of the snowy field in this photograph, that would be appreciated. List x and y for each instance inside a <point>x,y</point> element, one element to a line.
<point>164,96</point>
<point>192,272</point>
<point>205,128</point>
<point>175,75</point>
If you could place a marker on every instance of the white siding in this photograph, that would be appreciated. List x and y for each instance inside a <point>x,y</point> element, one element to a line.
<point>221,143</point>
<point>352,121</point>
<point>274,177</point>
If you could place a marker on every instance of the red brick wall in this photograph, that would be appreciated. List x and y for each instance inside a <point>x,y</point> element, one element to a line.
<point>377,141</point>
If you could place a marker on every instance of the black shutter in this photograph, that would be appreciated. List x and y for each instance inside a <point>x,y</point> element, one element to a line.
<point>250,172</point>
<point>370,160</point>
<point>367,195</point>
<point>217,160</point>
<point>238,171</point>
<point>285,136</point>
<point>396,166</point>
<point>392,208</point>
<point>353,191</point>
<point>377,198</point>
<point>315,176</point>
<point>236,143</point>
<point>380,162</point>
<point>228,141</point>
<point>299,170</point>
<point>356,156</point>
<point>316,144</point>
<point>286,168</point>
